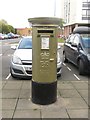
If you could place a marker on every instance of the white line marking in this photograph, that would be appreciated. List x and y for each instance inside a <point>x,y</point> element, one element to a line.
<point>64,64</point>
<point>0,54</point>
<point>69,68</point>
<point>8,76</point>
<point>76,77</point>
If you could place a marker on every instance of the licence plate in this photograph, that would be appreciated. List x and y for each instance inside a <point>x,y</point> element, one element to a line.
<point>28,68</point>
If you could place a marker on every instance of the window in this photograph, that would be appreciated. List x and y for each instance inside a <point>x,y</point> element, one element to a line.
<point>76,40</point>
<point>85,18</point>
<point>86,10</point>
<point>87,4</point>
<point>26,43</point>
<point>70,39</point>
<point>84,0</point>
<point>84,13</point>
<point>86,42</point>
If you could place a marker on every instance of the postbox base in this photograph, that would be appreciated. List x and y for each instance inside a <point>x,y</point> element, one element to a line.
<point>43,93</point>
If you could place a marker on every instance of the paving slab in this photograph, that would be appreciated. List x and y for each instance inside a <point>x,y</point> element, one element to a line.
<point>78,113</point>
<point>83,93</point>
<point>89,113</point>
<point>27,114</point>
<point>53,113</point>
<point>7,113</point>
<point>13,85</point>
<point>75,103</point>
<point>81,81</point>
<point>69,93</point>
<point>80,85</point>
<point>26,104</point>
<point>26,85</point>
<point>9,104</point>
<point>0,104</point>
<point>65,85</point>
<point>25,94</point>
<point>7,93</point>
<point>72,100</point>
<point>59,104</point>
<point>87,101</point>
<point>2,84</point>
<point>0,94</point>
<point>0,114</point>
<point>55,119</point>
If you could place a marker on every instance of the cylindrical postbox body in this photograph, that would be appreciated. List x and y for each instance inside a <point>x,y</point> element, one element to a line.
<point>44,59</point>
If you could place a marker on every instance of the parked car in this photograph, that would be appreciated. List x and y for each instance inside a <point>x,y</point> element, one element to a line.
<point>77,49</point>
<point>11,35</point>
<point>1,36</point>
<point>16,36</point>
<point>21,61</point>
<point>5,36</point>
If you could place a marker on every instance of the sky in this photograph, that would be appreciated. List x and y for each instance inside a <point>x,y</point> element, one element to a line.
<point>17,12</point>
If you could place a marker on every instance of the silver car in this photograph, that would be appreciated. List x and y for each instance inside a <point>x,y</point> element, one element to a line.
<point>21,61</point>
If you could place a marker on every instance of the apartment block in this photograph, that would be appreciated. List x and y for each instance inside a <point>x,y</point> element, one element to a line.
<point>75,13</point>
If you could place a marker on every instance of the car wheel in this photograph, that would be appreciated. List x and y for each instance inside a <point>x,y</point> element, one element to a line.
<point>81,67</point>
<point>64,58</point>
<point>12,73</point>
<point>59,75</point>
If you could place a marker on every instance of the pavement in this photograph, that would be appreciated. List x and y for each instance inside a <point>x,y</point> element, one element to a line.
<point>72,101</point>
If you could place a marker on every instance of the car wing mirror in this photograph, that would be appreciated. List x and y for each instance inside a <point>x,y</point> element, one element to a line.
<point>58,47</point>
<point>79,47</point>
<point>74,45</point>
<point>13,47</point>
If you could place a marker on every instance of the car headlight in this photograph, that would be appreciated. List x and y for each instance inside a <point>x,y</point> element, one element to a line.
<point>16,60</point>
<point>88,56</point>
<point>58,57</point>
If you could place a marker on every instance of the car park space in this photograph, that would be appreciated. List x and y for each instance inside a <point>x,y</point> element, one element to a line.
<point>21,62</point>
<point>77,49</point>
<point>68,69</point>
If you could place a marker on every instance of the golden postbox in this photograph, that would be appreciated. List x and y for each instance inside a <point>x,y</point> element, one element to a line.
<point>44,59</point>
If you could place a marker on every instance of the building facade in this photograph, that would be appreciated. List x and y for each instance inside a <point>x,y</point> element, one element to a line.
<point>75,13</point>
<point>24,31</point>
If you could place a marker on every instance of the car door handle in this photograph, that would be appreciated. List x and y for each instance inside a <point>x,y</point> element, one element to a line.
<point>51,59</point>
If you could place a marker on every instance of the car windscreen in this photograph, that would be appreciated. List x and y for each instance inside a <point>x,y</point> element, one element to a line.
<point>86,42</point>
<point>26,43</point>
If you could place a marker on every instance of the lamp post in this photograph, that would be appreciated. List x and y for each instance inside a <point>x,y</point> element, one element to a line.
<point>54,7</point>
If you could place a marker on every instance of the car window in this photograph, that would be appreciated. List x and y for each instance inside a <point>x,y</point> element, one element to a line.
<point>70,39</point>
<point>76,40</point>
<point>86,42</point>
<point>26,43</point>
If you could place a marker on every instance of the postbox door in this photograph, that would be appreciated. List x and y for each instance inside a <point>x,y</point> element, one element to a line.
<point>46,53</point>
<point>48,58</point>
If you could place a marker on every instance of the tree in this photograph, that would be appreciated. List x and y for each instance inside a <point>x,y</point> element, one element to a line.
<point>5,28</point>
<point>61,25</point>
<point>11,29</point>
<point>0,28</point>
<point>4,21</point>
